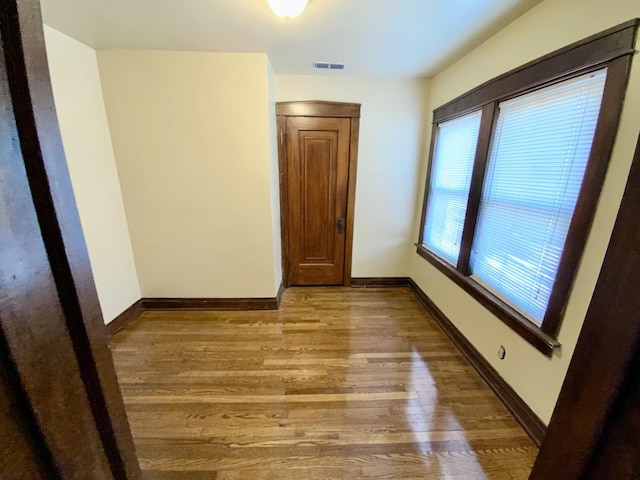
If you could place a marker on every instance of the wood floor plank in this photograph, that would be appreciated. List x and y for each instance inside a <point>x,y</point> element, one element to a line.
<point>337,384</point>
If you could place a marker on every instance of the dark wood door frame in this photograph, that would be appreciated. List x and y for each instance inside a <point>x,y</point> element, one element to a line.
<point>32,101</point>
<point>317,109</point>
<point>603,359</point>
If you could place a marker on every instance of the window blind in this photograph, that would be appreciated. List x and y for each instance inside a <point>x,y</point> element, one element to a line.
<point>538,157</point>
<point>451,171</point>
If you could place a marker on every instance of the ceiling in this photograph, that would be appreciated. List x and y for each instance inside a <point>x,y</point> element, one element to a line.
<point>373,37</point>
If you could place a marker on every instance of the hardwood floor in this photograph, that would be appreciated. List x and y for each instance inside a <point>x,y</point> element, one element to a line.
<point>338,384</point>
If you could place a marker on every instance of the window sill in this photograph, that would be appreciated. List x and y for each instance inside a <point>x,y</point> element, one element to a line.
<point>508,315</point>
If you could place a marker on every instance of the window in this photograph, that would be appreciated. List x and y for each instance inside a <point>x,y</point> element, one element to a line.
<point>515,170</point>
<point>449,185</point>
<point>537,161</point>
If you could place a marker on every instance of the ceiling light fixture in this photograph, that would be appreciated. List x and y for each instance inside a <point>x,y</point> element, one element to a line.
<point>287,8</point>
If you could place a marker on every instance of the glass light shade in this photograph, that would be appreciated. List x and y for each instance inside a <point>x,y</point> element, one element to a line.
<point>287,8</point>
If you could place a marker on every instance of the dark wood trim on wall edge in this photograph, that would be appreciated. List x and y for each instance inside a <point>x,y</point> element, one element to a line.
<point>354,141</point>
<point>380,282</point>
<point>530,422</point>
<point>125,318</point>
<point>281,124</point>
<point>602,362</point>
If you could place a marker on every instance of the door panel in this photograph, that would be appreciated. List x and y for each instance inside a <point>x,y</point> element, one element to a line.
<point>318,185</point>
<point>318,171</point>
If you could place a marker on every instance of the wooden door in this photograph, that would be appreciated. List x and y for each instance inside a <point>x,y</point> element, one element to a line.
<point>318,173</point>
<point>61,411</point>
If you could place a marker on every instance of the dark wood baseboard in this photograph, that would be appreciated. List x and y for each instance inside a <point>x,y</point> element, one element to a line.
<point>210,303</point>
<point>122,320</point>
<point>529,421</point>
<point>380,282</point>
<point>272,303</point>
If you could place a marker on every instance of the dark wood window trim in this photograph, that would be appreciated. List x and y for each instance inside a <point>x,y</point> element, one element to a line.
<point>613,49</point>
<point>586,54</point>
<point>475,192</point>
<point>514,319</point>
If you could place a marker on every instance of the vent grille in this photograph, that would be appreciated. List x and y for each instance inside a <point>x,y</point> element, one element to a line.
<point>329,65</point>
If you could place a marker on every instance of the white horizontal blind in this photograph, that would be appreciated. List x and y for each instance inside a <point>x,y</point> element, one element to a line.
<point>537,162</point>
<point>451,171</point>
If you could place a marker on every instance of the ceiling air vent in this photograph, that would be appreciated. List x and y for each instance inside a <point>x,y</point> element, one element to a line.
<point>329,65</point>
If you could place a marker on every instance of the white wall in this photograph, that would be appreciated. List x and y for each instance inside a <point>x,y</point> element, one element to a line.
<point>548,26</point>
<point>87,144</point>
<point>275,175</point>
<point>393,117</point>
<point>191,136</point>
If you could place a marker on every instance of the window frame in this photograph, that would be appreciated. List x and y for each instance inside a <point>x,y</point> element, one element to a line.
<point>612,49</point>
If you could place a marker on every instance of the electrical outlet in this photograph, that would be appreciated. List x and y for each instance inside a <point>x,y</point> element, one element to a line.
<point>502,352</point>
